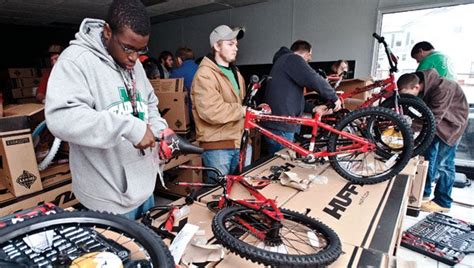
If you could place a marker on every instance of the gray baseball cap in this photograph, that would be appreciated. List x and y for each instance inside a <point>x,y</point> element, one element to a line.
<point>224,32</point>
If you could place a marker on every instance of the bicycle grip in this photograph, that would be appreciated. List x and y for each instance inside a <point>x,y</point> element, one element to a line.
<point>378,37</point>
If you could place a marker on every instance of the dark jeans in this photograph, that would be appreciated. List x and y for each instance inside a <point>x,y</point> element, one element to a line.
<point>441,157</point>
<point>225,160</point>
<point>274,146</point>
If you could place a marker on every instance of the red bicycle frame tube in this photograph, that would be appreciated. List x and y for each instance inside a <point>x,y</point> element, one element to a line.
<point>387,87</point>
<point>360,145</point>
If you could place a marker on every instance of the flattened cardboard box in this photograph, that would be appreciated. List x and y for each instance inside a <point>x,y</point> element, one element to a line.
<point>198,215</point>
<point>368,216</point>
<point>352,256</point>
<point>274,190</point>
<point>57,190</point>
<point>18,166</point>
<point>173,107</point>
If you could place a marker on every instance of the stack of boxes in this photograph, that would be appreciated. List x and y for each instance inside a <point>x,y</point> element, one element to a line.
<point>24,82</point>
<point>173,103</point>
<point>21,184</point>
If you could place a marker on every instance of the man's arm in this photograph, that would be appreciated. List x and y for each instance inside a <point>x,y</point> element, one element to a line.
<point>305,76</point>
<point>209,103</point>
<point>70,113</point>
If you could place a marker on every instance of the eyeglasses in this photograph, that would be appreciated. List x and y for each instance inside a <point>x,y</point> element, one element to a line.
<point>129,50</point>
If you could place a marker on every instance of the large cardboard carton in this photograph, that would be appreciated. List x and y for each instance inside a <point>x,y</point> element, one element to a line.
<point>368,216</point>
<point>56,189</point>
<point>415,195</point>
<point>181,175</point>
<point>350,85</point>
<point>24,92</point>
<point>18,167</point>
<point>174,109</point>
<point>25,82</point>
<point>168,85</point>
<point>197,214</point>
<point>22,72</point>
<point>33,112</point>
<point>352,256</point>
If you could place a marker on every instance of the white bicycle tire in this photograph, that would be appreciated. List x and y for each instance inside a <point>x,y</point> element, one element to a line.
<point>52,151</point>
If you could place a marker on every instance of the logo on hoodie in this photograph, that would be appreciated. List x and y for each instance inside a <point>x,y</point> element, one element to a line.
<point>124,107</point>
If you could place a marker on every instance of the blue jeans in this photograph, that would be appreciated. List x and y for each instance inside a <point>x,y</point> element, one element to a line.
<point>441,157</point>
<point>274,146</point>
<point>139,211</point>
<point>225,160</point>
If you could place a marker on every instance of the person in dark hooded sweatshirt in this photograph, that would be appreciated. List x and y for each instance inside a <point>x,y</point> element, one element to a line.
<point>100,101</point>
<point>290,74</point>
<point>448,103</point>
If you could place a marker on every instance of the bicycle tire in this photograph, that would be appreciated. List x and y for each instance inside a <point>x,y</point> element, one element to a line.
<point>248,251</point>
<point>400,159</point>
<point>428,131</point>
<point>53,149</point>
<point>158,252</point>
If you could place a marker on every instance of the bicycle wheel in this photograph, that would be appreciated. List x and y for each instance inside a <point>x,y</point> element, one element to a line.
<point>301,241</point>
<point>423,123</point>
<point>52,150</point>
<point>385,129</point>
<point>81,237</point>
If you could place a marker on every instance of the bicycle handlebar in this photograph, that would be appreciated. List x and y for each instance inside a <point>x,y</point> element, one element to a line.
<point>392,59</point>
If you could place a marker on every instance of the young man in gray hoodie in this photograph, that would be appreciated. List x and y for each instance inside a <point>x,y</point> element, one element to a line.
<point>101,102</point>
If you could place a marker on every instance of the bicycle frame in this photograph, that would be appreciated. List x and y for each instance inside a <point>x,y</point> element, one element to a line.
<point>388,85</point>
<point>260,203</point>
<point>251,118</point>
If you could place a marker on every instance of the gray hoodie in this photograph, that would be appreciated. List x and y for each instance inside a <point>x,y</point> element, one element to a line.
<point>88,106</point>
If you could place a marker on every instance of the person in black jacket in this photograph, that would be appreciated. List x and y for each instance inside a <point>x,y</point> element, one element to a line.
<point>290,74</point>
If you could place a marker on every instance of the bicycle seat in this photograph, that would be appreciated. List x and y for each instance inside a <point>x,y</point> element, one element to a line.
<point>173,145</point>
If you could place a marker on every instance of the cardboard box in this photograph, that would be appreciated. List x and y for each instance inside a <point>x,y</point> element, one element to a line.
<point>22,72</point>
<point>182,175</point>
<point>24,92</point>
<point>368,216</point>
<point>274,190</point>
<point>33,112</point>
<point>417,188</point>
<point>352,256</point>
<point>174,109</point>
<point>198,215</point>
<point>56,190</point>
<point>168,85</point>
<point>352,103</point>
<point>25,82</point>
<point>350,85</point>
<point>18,167</point>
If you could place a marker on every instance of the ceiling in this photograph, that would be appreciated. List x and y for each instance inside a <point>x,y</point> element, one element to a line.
<point>69,13</point>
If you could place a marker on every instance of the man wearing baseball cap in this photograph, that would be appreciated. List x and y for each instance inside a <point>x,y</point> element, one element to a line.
<point>217,93</point>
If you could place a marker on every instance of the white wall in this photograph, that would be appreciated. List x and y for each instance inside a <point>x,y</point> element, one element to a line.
<point>336,28</point>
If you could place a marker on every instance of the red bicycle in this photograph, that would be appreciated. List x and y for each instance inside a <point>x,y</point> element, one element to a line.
<point>257,229</point>
<point>366,146</point>
<point>417,113</point>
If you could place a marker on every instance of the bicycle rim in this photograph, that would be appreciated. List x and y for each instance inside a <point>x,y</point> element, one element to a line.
<point>301,241</point>
<point>80,237</point>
